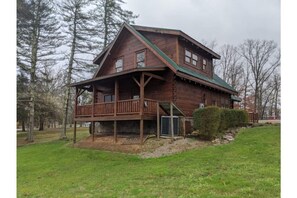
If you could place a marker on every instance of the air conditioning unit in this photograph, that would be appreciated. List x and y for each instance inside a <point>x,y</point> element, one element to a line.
<point>166,125</point>
<point>201,105</point>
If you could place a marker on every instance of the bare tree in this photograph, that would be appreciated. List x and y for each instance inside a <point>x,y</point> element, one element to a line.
<point>230,66</point>
<point>262,58</point>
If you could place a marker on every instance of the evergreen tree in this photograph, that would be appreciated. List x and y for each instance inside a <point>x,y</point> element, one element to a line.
<point>80,34</point>
<point>109,16</point>
<point>37,39</point>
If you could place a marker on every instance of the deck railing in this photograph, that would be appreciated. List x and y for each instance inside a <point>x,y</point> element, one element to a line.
<point>124,107</point>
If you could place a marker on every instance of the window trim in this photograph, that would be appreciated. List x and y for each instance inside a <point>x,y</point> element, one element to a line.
<point>115,64</point>
<point>138,52</point>
<point>191,58</point>
<point>112,97</point>
<point>204,65</point>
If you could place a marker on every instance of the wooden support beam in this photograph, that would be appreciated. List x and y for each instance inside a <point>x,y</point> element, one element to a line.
<point>141,131</point>
<point>154,76</point>
<point>93,102</point>
<point>74,133</point>
<point>115,131</point>
<point>158,121</point>
<point>116,96</point>
<point>75,102</point>
<point>136,81</point>
<point>93,131</point>
<point>141,94</point>
<point>147,81</point>
<point>171,120</point>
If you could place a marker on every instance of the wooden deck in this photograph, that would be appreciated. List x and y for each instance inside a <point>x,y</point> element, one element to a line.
<point>123,110</point>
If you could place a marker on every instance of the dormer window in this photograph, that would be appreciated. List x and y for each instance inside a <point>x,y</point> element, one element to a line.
<point>119,64</point>
<point>140,59</point>
<point>204,64</point>
<point>188,56</point>
<point>191,58</point>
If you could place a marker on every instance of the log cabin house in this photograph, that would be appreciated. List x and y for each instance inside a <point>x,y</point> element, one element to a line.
<point>146,73</point>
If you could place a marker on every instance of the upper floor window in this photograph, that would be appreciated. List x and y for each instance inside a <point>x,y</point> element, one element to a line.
<point>191,57</point>
<point>204,64</point>
<point>140,59</point>
<point>119,64</point>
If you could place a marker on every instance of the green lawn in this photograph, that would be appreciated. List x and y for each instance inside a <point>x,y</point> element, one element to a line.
<point>247,167</point>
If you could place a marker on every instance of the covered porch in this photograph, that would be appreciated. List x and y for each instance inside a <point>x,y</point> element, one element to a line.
<point>119,97</point>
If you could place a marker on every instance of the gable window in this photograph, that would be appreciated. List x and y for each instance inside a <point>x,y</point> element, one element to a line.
<point>140,59</point>
<point>119,64</point>
<point>191,57</point>
<point>204,64</point>
<point>108,98</point>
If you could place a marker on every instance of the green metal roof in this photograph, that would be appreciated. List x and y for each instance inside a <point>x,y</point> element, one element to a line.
<point>235,98</point>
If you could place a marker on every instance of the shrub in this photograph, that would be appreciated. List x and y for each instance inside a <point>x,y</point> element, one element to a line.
<point>207,121</point>
<point>210,121</point>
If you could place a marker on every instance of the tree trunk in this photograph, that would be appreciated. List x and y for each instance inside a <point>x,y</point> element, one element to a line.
<point>105,24</point>
<point>69,77</point>
<point>23,126</point>
<point>41,123</point>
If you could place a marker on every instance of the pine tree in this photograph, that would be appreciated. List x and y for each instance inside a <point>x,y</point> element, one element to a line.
<point>109,16</point>
<point>37,39</point>
<point>80,40</point>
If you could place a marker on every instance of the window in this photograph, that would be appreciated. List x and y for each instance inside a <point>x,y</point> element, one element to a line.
<point>140,59</point>
<point>194,59</point>
<point>204,64</point>
<point>191,57</point>
<point>119,65</point>
<point>188,56</point>
<point>108,98</point>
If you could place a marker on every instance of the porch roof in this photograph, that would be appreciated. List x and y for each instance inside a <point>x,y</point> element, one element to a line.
<point>145,69</point>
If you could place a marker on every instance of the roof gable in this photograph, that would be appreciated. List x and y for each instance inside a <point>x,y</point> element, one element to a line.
<point>154,49</point>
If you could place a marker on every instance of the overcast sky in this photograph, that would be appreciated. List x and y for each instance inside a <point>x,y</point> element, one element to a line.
<point>226,21</point>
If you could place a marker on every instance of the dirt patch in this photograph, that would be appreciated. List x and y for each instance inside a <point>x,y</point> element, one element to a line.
<point>174,146</point>
<point>152,148</point>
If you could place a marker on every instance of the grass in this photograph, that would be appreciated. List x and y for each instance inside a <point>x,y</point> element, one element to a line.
<point>247,167</point>
<point>50,135</point>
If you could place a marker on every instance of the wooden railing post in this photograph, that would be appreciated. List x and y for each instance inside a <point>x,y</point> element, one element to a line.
<point>116,96</point>
<point>141,106</point>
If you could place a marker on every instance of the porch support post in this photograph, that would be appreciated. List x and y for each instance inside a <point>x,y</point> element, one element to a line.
<point>74,133</point>
<point>75,103</point>
<point>141,106</point>
<point>141,131</point>
<point>75,113</point>
<point>116,96</point>
<point>115,131</point>
<point>116,99</point>
<point>171,119</point>
<point>141,94</point>
<point>93,112</point>
<point>158,121</point>
<point>93,131</point>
